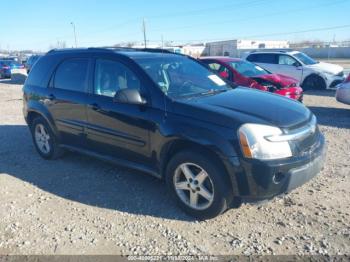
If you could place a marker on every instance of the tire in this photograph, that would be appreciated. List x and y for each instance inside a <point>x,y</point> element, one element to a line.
<point>314,82</point>
<point>43,137</point>
<point>215,183</point>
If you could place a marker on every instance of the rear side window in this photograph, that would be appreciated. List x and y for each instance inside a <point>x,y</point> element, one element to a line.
<point>72,75</point>
<point>41,73</point>
<point>263,58</point>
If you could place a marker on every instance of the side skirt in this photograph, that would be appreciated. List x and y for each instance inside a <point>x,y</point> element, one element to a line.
<point>114,161</point>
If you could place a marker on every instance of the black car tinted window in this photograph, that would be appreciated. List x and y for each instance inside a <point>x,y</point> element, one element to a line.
<point>72,75</point>
<point>263,58</point>
<point>111,76</point>
<point>41,73</point>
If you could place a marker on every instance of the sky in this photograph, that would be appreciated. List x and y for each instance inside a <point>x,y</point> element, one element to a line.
<point>40,24</point>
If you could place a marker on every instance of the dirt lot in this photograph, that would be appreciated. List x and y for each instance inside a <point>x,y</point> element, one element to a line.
<point>78,205</point>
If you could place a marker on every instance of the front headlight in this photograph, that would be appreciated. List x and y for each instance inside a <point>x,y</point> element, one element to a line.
<point>254,142</point>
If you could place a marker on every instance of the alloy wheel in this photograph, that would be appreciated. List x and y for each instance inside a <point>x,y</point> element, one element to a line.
<point>193,186</point>
<point>42,138</point>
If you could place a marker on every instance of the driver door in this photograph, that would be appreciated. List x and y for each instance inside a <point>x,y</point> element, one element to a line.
<point>117,129</point>
<point>290,67</point>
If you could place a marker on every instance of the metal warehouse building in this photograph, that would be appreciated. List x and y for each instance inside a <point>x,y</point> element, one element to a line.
<point>236,47</point>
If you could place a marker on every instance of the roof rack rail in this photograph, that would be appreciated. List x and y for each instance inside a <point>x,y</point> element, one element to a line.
<point>117,48</point>
<point>156,50</point>
<point>272,50</point>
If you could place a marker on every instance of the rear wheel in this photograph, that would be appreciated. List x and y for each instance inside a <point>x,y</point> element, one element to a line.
<point>314,82</point>
<point>44,139</point>
<point>198,184</point>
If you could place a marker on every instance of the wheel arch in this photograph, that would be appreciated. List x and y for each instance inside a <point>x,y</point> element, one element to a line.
<point>176,146</point>
<point>313,74</point>
<point>34,111</point>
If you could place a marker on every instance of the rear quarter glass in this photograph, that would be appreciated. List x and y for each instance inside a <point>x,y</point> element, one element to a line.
<point>41,72</point>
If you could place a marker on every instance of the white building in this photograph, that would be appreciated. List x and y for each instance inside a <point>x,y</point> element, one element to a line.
<point>236,47</point>
<point>193,50</point>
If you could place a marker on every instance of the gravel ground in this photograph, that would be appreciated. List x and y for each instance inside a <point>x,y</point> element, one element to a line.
<point>78,205</point>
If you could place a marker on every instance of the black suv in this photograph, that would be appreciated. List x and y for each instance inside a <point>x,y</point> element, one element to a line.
<point>167,115</point>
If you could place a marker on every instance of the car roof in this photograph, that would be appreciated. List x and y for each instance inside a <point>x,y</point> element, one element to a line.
<point>125,51</point>
<point>290,52</point>
<point>221,58</point>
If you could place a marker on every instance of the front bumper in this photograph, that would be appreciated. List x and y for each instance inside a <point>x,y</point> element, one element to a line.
<point>343,93</point>
<point>260,180</point>
<point>333,80</point>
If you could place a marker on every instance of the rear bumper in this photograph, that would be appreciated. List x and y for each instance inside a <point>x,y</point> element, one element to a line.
<point>261,180</point>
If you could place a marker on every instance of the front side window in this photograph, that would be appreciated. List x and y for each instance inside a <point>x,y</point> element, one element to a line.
<point>287,60</point>
<point>72,75</point>
<point>111,76</point>
<point>180,76</point>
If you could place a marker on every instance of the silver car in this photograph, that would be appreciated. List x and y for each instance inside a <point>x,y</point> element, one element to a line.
<point>343,91</point>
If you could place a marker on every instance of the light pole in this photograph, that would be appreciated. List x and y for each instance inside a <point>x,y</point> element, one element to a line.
<point>144,32</point>
<point>75,34</point>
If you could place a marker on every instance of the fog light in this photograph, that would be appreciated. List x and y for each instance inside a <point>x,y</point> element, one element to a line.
<point>277,178</point>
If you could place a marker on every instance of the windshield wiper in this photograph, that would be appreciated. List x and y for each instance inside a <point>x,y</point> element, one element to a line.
<point>209,92</point>
<point>213,92</point>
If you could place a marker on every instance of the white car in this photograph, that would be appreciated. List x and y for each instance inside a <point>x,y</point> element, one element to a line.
<point>310,73</point>
<point>343,92</point>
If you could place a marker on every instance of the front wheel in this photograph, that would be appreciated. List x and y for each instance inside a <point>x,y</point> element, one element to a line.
<point>314,82</point>
<point>198,184</point>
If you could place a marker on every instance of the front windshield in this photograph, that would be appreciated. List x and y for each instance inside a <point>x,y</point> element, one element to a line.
<point>305,59</point>
<point>180,76</point>
<point>248,69</point>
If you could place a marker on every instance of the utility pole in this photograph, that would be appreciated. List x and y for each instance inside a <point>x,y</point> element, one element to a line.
<point>75,34</point>
<point>144,32</point>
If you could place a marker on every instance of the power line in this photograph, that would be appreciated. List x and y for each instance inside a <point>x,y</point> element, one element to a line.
<point>212,9</point>
<point>249,18</point>
<point>266,35</point>
<point>176,14</point>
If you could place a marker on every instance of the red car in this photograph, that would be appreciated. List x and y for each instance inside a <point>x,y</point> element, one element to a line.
<point>247,74</point>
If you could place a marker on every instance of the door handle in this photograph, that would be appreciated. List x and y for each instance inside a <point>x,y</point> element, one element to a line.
<point>94,107</point>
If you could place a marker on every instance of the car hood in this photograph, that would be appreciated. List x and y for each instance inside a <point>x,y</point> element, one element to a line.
<point>245,105</point>
<point>327,67</point>
<point>279,79</point>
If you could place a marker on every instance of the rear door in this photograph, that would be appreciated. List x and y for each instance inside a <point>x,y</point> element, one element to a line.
<point>266,60</point>
<point>118,129</point>
<point>67,99</point>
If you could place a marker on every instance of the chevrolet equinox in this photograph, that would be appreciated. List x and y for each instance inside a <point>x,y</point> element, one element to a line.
<point>166,114</point>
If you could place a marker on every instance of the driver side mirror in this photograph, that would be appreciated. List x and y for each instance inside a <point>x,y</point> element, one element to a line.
<point>224,75</point>
<point>129,96</point>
